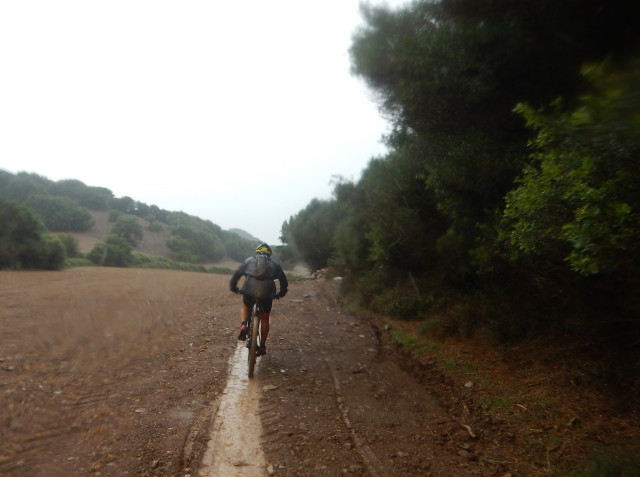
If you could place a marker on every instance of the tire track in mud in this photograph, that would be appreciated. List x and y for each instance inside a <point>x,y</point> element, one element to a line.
<point>234,447</point>
<point>339,404</point>
<point>370,460</point>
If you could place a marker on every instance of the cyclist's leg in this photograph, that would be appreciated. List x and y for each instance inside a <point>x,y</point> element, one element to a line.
<point>264,319</point>
<point>245,311</point>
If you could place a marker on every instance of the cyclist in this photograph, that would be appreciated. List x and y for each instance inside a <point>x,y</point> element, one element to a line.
<point>260,272</point>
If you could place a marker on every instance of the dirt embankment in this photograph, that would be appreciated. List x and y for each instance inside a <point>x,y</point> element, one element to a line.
<point>121,372</point>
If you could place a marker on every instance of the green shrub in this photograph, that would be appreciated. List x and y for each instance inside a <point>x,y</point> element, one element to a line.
<point>23,243</point>
<point>154,226</point>
<point>78,262</point>
<point>114,214</point>
<point>60,213</point>
<point>51,253</point>
<point>190,244</point>
<point>612,462</point>
<point>113,252</point>
<point>70,243</point>
<point>129,228</point>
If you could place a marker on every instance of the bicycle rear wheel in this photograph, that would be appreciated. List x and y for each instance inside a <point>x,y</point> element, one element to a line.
<point>255,336</point>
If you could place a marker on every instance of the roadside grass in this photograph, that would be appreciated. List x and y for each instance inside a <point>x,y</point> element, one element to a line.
<point>412,342</point>
<point>544,422</point>
<point>611,461</point>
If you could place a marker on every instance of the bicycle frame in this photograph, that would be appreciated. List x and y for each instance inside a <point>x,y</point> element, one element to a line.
<point>253,338</point>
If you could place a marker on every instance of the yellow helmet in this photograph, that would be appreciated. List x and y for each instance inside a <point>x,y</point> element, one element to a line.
<point>264,249</point>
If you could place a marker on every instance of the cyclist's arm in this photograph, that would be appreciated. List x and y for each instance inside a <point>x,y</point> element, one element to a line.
<point>233,283</point>
<point>284,283</point>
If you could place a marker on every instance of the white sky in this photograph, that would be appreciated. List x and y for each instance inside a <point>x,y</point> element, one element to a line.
<point>235,112</point>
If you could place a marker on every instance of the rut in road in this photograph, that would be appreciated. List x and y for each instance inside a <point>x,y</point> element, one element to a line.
<point>234,448</point>
<point>336,400</point>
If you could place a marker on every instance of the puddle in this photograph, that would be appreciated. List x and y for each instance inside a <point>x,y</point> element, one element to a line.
<point>234,448</point>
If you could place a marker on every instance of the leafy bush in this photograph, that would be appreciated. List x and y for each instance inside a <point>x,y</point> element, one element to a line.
<point>129,228</point>
<point>154,226</point>
<point>113,252</point>
<point>609,461</point>
<point>580,198</point>
<point>70,243</point>
<point>23,242</point>
<point>95,198</point>
<point>125,204</point>
<point>114,215</point>
<point>236,247</point>
<point>60,213</point>
<point>22,185</point>
<point>50,255</point>
<point>190,244</point>
<point>78,262</point>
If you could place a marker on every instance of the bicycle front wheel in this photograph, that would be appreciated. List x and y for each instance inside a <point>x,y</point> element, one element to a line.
<point>255,335</point>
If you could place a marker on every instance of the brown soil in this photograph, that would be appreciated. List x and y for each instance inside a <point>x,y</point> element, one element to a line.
<point>120,371</point>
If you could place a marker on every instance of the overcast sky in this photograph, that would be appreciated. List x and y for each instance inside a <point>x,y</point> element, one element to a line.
<point>236,112</point>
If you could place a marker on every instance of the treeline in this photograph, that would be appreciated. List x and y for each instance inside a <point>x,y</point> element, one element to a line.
<point>511,189</point>
<point>32,207</point>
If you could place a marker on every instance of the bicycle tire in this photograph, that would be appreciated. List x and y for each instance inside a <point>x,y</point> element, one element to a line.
<point>253,343</point>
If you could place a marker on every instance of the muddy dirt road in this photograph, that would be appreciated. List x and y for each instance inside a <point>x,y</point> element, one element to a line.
<point>124,372</point>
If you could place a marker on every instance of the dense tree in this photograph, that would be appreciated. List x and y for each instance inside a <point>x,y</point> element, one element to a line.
<point>124,204</point>
<point>129,228</point>
<point>60,213</point>
<point>158,214</point>
<point>194,245</point>
<point>71,245</point>
<point>236,247</point>
<point>23,241</point>
<point>113,252</point>
<point>24,184</point>
<point>448,75</point>
<point>580,200</point>
<point>451,72</point>
<point>95,198</point>
<point>311,232</point>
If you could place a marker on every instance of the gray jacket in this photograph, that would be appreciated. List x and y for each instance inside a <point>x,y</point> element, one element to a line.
<point>260,288</point>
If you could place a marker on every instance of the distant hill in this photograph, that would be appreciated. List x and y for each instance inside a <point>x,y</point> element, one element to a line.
<point>71,206</point>
<point>153,243</point>
<point>245,235</point>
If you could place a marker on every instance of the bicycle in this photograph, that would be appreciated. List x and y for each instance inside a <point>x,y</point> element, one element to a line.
<point>253,337</point>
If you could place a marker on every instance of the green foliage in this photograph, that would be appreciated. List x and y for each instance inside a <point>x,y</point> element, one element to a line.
<point>154,226</point>
<point>125,204</point>
<point>50,255</point>
<point>114,215</point>
<point>449,73</point>
<point>78,262</point>
<point>113,252</point>
<point>158,214</point>
<point>70,243</point>
<point>95,198</point>
<point>311,232</point>
<point>612,461</point>
<point>580,199</point>
<point>236,247</point>
<point>62,207</point>
<point>23,243</point>
<point>194,240</point>
<point>60,213</point>
<point>22,185</point>
<point>129,228</point>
